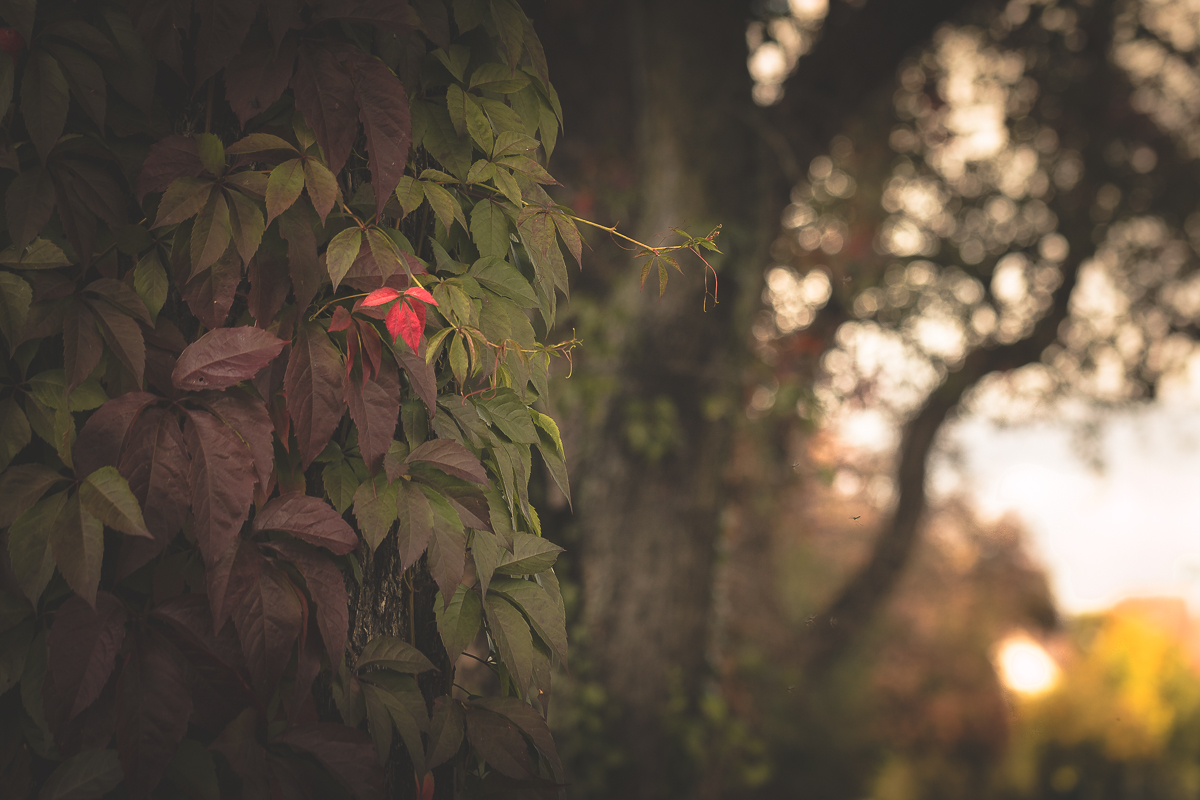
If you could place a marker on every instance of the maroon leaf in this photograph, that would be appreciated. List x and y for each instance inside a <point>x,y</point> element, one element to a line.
<point>295,225</point>
<point>224,25</point>
<point>311,384</point>
<point>308,518</point>
<point>322,187</point>
<point>269,280</point>
<point>82,344</point>
<point>328,591</point>
<point>416,522</point>
<point>82,649</point>
<point>245,754</point>
<point>324,94</point>
<point>210,294</point>
<point>268,622</point>
<point>122,297</point>
<point>249,419</point>
<point>168,159</point>
<point>420,376</point>
<point>447,554</point>
<point>77,541</point>
<point>230,578</point>
<point>257,76</point>
<point>525,717</point>
<point>301,708</point>
<point>28,205</point>
<point>222,480</point>
<point>445,731</point>
<point>225,356</point>
<point>103,435</point>
<point>384,111</point>
<point>155,463</point>
<point>78,223</point>
<point>499,742</point>
<point>451,458</point>
<point>124,338</point>
<point>375,411</point>
<point>44,101</point>
<point>346,752</point>
<point>153,706</point>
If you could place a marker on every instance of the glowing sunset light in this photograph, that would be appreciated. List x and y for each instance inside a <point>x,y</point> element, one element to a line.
<point>1025,667</point>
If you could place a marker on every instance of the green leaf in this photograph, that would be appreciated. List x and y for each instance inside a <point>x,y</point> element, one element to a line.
<point>258,143</point>
<point>375,509</point>
<point>14,646</point>
<point>456,104</point>
<point>212,153</point>
<point>340,484</point>
<point>498,78</point>
<point>87,776</point>
<point>456,58</point>
<point>193,771</point>
<point>507,185</point>
<point>404,703</point>
<point>379,722</point>
<point>505,410</point>
<point>150,282</point>
<point>444,205</point>
<point>105,495</point>
<point>14,431</point>
<point>284,185</point>
<point>478,125</point>
<point>77,541</point>
<point>21,487</point>
<point>15,299</point>
<point>409,195</point>
<point>541,609</point>
<point>486,552</point>
<point>322,187</point>
<point>459,622</point>
<point>504,279</point>
<point>510,24</point>
<point>38,254</point>
<point>340,255</point>
<point>481,171</point>
<point>29,545</point>
<point>184,198</point>
<point>388,652</point>
<point>211,233</point>
<point>45,101</point>
<point>446,731</point>
<point>531,554</point>
<point>489,229</point>
<point>511,634</point>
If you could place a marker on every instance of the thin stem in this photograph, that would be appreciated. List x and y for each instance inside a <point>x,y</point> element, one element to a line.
<point>208,105</point>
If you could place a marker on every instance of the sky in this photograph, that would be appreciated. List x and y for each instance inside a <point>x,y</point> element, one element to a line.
<point>1121,521</point>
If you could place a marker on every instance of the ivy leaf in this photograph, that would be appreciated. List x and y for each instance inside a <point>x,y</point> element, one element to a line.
<point>328,590</point>
<point>210,294</point>
<point>375,408</point>
<point>155,463</point>
<point>212,152</point>
<point>444,206</point>
<point>39,254</point>
<point>123,336</point>
<point>416,523</point>
<point>375,509</point>
<point>184,198</point>
<point>406,322</point>
<point>499,742</point>
<point>21,487</point>
<point>230,578</point>
<point>322,187</point>
<point>506,411</point>
<point>540,608</point>
<point>510,24</point>
<point>170,158</point>
<point>248,417</point>
<point>284,186</point>
<point>223,357</point>
<point>29,553</point>
<point>15,299</point>
<point>388,652</point>
<point>211,233</point>
<point>446,731</point>
<point>383,109</point>
<point>154,703</point>
<point>296,227</point>
<point>530,555</point>
<point>77,541</point>
<point>459,622</point>
<point>45,101</point>
<point>28,204</point>
<point>268,623</point>
<point>324,95</point>
<point>308,518</point>
<point>151,283</point>
<point>82,344</point>
<point>222,481</point>
<point>82,649</point>
<point>91,773</point>
<point>224,25</point>
<point>402,702</point>
<point>409,194</point>
<point>341,253</point>
<point>341,485</point>
<point>347,753</point>
<point>257,76</point>
<point>489,229</point>
<point>247,226</point>
<point>105,495</point>
<point>450,457</point>
<point>312,386</point>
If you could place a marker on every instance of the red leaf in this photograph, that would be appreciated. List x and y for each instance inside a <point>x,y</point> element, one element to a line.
<point>225,356</point>
<point>249,418</point>
<point>168,159</point>
<point>223,27</point>
<point>328,590</point>
<point>257,77</point>
<point>324,95</point>
<point>384,111</point>
<point>346,752</point>
<point>124,338</point>
<point>308,518</point>
<point>103,435</point>
<point>210,294</point>
<point>268,623</point>
<point>155,463</point>
<point>379,297</point>
<point>222,479</point>
<point>420,376</point>
<point>230,578</point>
<point>153,706</point>
<point>341,319</point>
<point>82,649</point>
<point>420,294</point>
<point>405,322</point>
<point>269,279</point>
<point>311,385</point>
<point>375,411</point>
<point>451,458</point>
<point>372,348</point>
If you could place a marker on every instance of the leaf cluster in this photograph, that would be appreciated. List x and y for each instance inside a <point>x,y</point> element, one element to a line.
<point>244,341</point>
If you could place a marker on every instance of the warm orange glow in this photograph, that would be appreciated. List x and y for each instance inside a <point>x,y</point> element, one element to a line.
<point>1025,667</point>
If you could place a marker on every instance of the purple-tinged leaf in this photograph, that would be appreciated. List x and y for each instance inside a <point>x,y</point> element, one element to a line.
<point>82,344</point>
<point>240,746</point>
<point>347,753</point>
<point>324,95</point>
<point>268,622</point>
<point>446,731</point>
<point>28,205</point>
<point>322,187</point>
<point>525,717</point>
<point>155,462</point>
<point>224,25</point>
<point>284,186</point>
<point>169,158</point>
<point>327,589</point>
<point>122,297</point>
<point>421,377</point>
<point>21,487</point>
<point>103,435</point>
<point>451,458</point>
<point>375,509</point>
<point>312,385</point>
<point>77,541</point>
<point>105,494</point>
<point>256,77</point>
<point>124,338</point>
<point>499,742</point>
<point>45,101</point>
<point>295,225</point>
<point>234,574</point>
<point>82,649</point>
<point>308,518</point>
<point>210,294</point>
<point>222,480</point>
<point>384,111</point>
<point>375,411</point>
<point>249,419</point>
<point>153,707</point>
<point>416,522</point>
<point>447,549</point>
<point>269,279</point>
<point>92,773</point>
<point>223,357</point>
<point>84,78</point>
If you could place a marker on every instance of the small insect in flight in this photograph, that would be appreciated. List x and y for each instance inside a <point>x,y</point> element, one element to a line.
<point>857,518</point>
